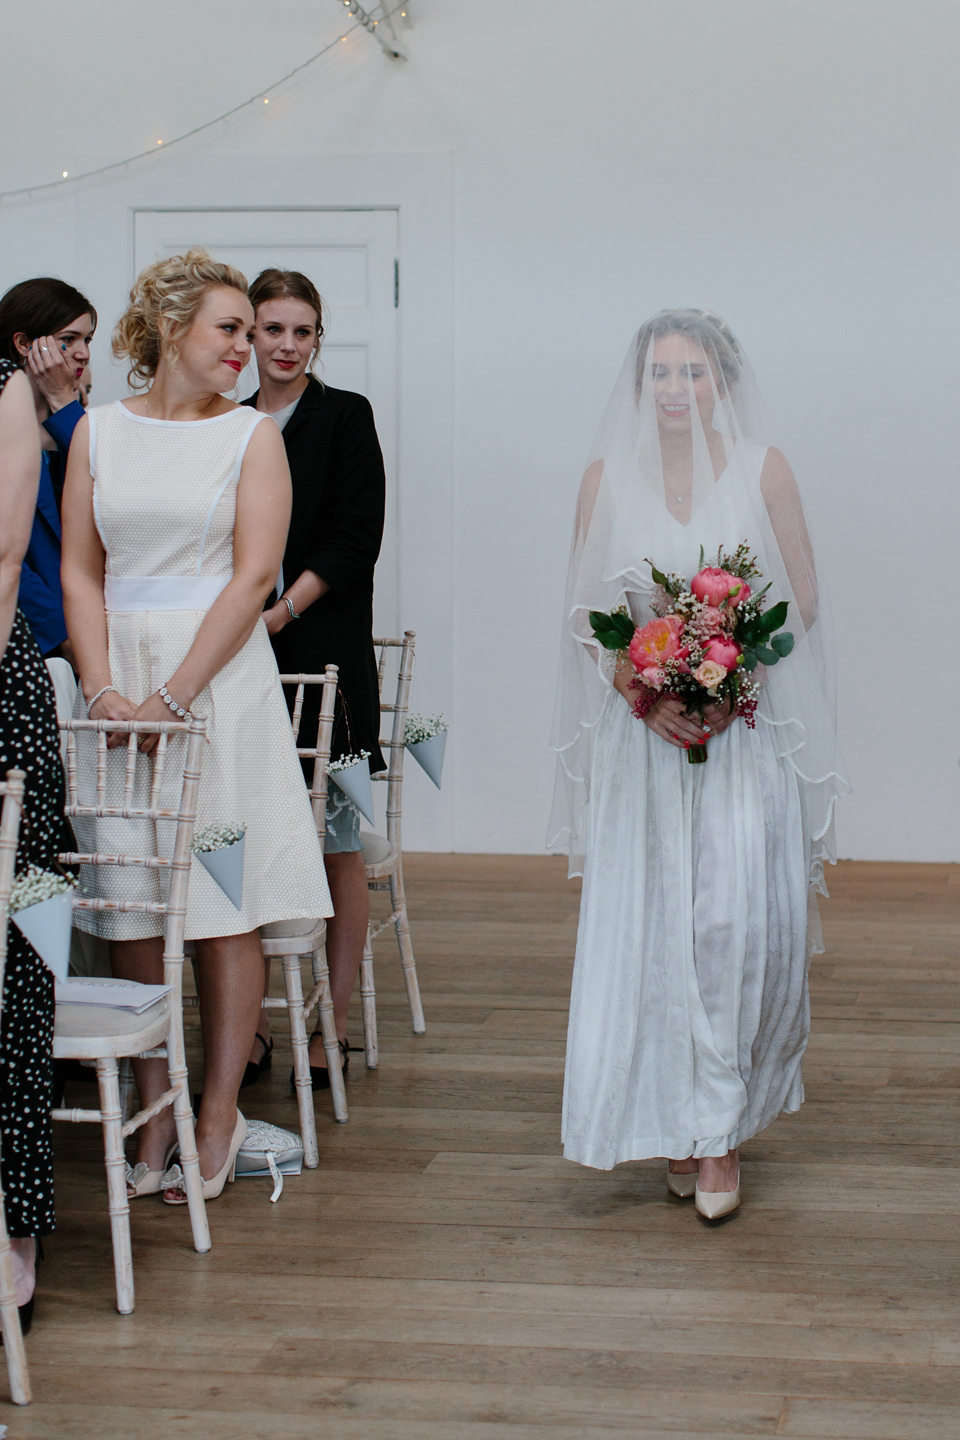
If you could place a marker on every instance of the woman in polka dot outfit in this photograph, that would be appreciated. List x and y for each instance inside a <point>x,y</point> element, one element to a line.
<point>28,742</point>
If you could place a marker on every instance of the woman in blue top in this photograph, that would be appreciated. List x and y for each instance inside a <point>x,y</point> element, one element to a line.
<point>45,329</point>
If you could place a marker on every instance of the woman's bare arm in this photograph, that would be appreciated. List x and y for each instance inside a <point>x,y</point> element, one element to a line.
<point>19,479</point>
<point>782,499</point>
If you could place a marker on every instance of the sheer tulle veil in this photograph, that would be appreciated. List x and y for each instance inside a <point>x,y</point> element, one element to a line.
<point>656,489</point>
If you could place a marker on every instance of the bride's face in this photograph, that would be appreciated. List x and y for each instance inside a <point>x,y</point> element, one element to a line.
<point>681,374</point>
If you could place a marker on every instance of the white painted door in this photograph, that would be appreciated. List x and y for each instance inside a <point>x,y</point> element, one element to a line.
<point>351,256</point>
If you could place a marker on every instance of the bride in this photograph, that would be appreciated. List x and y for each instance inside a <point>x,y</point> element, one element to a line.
<point>689,1014</point>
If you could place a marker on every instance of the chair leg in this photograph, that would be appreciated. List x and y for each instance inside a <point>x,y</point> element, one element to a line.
<point>116,1182</point>
<point>368,1004</point>
<point>128,1088</point>
<point>10,1322</point>
<point>301,1060</point>
<point>187,1140</point>
<point>398,904</point>
<point>328,1029</point>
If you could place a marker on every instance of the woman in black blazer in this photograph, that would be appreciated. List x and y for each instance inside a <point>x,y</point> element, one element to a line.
<point>323,614</point>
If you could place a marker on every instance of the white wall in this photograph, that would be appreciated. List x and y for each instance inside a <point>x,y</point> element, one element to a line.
<point>791,165</point>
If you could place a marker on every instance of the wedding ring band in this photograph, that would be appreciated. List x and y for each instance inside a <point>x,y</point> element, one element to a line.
<point>44,347</point>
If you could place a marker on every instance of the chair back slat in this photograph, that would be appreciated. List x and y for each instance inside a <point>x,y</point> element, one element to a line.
<point>398,707</point>
<point>159,769</point>
<point>319,752</point>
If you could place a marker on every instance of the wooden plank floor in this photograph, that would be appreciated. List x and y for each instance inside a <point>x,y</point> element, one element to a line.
<point>446,1275</point>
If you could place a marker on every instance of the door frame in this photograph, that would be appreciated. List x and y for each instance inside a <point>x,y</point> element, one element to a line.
<point>421,188</point>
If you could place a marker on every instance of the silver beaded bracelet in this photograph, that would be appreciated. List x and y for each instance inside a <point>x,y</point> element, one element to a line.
<point>178,710</point>
<point>289,604</point>
<point>107,690</point>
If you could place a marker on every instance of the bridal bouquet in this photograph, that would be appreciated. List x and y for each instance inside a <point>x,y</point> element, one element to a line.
<point>709,635</point>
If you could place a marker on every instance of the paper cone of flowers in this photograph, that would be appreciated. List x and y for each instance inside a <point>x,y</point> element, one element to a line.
<point>354,781</point>
<point>224,864</point>
<point>429,755</point>
<point>47,926</point>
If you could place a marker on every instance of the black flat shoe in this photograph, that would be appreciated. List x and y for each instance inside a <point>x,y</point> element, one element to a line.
<point>319,1074</point>
<point>255,1068</point>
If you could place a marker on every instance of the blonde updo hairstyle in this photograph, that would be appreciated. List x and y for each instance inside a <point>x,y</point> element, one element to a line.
<point>163,304</point>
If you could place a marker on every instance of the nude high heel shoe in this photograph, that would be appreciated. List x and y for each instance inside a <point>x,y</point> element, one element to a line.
<point>682,1185</point>
<point>174,1180</point>
<point>713,1204</point>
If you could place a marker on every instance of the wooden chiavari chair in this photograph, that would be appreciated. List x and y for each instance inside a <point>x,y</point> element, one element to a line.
<point>382,855</point>
<point>105,1035</point>
<point>11,791</point>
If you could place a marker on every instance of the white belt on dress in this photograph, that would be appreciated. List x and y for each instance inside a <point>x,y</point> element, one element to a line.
<point>162,592</point>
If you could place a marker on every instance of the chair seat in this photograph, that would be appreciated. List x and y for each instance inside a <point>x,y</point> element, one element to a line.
<point>91,1032</point>
<point>292,937</point>
<point>379,856</point>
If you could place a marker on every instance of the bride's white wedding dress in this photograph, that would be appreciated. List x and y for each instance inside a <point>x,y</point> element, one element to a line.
<point>689,1014</point>
<point>689,1011</point>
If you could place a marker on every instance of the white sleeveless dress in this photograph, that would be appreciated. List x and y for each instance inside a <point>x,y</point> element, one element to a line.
<point>164,501</point>
<point>689,1012</point>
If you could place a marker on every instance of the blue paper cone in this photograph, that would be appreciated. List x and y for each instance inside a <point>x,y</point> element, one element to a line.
<point>429,755</point>
<point>47,927</point>
<point>225,866</point>
<point>355,784</point>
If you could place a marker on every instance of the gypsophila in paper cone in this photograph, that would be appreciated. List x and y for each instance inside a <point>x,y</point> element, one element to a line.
<point>41,907</point>
<point>220,847</point>
<point>352,774</point>
<point>425,736</point>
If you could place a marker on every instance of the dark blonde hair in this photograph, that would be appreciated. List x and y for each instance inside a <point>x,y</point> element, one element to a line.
<point>163,304</point>
<point>289,285</point>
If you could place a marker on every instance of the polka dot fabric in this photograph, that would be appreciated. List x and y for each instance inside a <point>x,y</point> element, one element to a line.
<point>29,742</point>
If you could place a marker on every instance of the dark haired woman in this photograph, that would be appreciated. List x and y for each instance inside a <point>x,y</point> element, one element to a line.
<point>324,615</point>
<point>45,329</point>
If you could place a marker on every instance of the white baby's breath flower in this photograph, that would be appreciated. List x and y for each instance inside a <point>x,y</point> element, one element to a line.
<point>217,836</point>
<point>347,762</point>
<point>423,727</point>
<point>36,885</point>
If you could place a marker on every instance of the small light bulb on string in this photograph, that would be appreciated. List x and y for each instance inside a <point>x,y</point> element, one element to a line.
<point>65,174</point>
<point>159,142</point>
<point>266,100</point>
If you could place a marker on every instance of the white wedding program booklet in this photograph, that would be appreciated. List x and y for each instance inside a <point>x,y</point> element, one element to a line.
<point>117,994</point>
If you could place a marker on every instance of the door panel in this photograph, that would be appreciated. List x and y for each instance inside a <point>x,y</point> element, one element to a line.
<point>350,257</point>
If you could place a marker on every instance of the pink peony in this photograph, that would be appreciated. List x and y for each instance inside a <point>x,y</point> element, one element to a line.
<point>656,642</point>
<point>653,676</point>
<point>715,586</point>
<point>722,651</point>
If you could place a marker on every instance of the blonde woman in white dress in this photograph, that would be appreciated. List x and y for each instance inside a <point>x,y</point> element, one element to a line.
<point>689,1014</point>
<point>175,517</point>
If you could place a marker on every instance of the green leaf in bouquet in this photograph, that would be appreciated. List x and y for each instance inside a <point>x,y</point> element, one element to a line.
<point>663,580</point>
<point>765,655</point>
<point>613,631</point>
<point>782,643</point>
<point>773,618</point>
<point>749,660</point>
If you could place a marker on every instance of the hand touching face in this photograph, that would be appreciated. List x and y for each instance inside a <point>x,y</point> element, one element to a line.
<point>55,362</point>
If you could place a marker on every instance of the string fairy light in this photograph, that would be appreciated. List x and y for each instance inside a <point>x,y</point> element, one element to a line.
<point>28,192</point>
